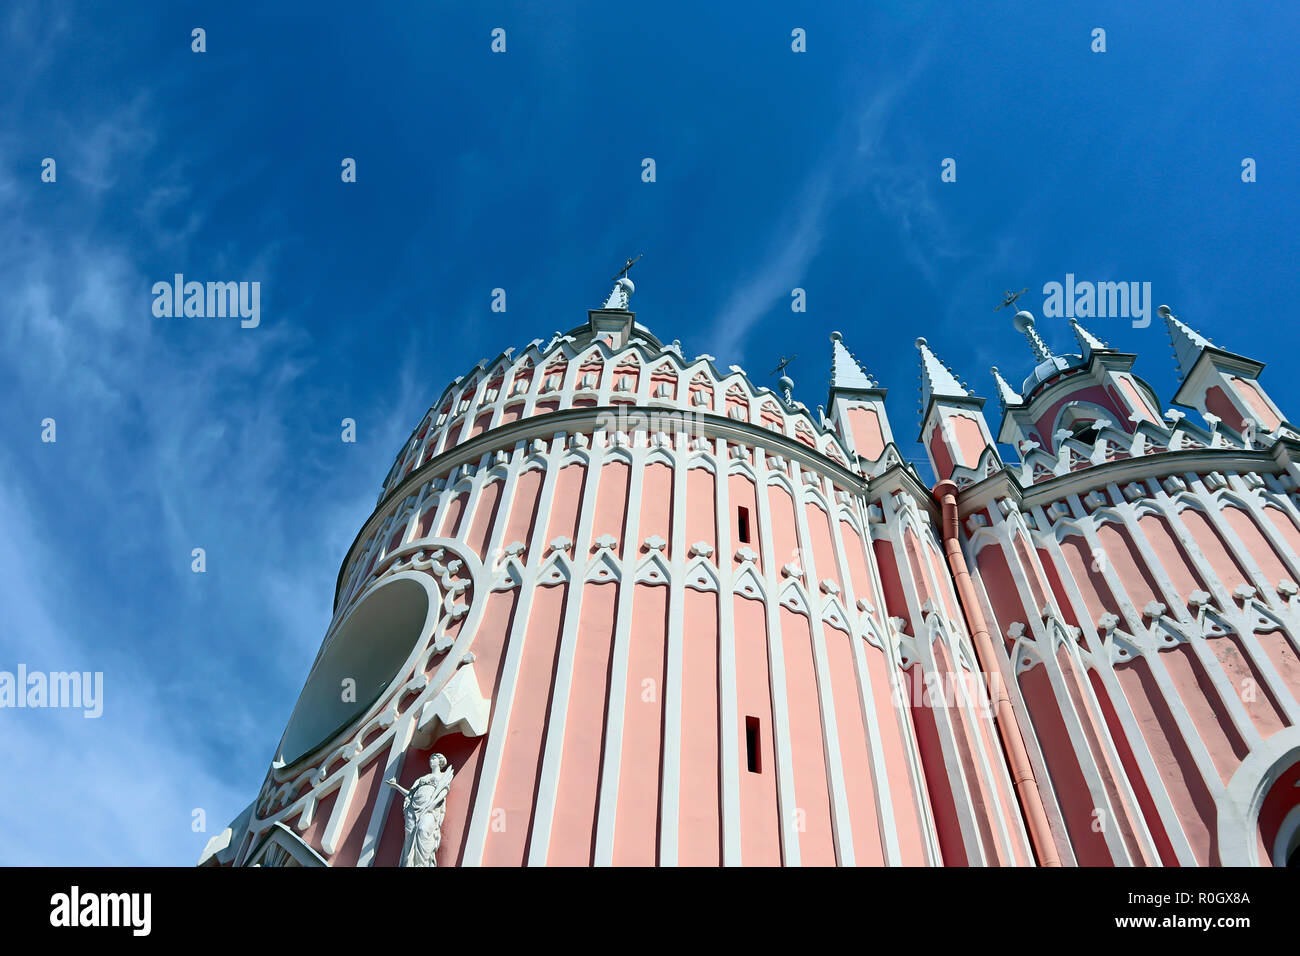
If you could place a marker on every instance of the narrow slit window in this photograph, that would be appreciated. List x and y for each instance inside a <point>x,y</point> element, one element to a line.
<point>751,745</point>
<point>742,524</point>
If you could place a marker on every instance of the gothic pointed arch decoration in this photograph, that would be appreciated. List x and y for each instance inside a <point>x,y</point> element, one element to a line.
<point>281,847</point>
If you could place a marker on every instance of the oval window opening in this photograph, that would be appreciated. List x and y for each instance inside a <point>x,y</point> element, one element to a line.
<point>369,648</point>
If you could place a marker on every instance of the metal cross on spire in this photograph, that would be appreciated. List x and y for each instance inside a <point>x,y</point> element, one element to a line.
<point>1009,299</point>
<point>780,366</point>
<point>630,263</point>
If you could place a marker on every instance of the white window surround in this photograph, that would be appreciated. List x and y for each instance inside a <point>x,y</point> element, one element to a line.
<point>1288,837</point>
<point>1240,802</point>
<point>376,643</point>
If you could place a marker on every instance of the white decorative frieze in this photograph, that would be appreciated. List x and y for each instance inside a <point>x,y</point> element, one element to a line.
<point>701,576</point>
<point>748,584</point>
<point>1173,485</point>
<point>833,614</point>
<point>653,570</point>
<point>509,577</point>
<point>604,568</point>
<point>792,599</point>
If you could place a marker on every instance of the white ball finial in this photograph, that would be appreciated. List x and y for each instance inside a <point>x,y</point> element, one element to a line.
<point>1164,311</point>
<point>1023,321</point>
<point>920,342</point>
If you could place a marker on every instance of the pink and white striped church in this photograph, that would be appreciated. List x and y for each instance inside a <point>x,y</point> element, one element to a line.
<point>617,606</point>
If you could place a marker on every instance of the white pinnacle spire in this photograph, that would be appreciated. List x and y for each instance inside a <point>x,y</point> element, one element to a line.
<point>936,378</point>
<point>845,370</point>
<point>1007,395</point>
<point>1187,343</point>
<point>1087,341</point>
<point>1024,322</point>
<point>623,288</point>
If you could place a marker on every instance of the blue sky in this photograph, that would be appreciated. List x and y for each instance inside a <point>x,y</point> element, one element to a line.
<point>522,170</point>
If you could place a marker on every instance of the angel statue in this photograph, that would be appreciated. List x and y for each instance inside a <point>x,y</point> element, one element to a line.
<point>423,808</point>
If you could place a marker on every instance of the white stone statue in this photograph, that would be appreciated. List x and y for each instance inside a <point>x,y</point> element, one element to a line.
<point>423,808</point>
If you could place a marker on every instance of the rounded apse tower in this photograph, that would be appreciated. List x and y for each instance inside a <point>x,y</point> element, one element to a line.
<point>617,606</point>
<point>632,601</point>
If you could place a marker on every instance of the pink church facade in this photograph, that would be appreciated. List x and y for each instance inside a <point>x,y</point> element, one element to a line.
<point>653,614</point>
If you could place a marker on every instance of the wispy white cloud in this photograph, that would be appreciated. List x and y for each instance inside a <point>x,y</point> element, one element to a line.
<point>798,240</point>
<point>856,159</point>
<point>172,434</point>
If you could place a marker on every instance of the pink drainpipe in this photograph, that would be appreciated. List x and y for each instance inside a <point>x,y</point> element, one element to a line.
<point>1022,772</point>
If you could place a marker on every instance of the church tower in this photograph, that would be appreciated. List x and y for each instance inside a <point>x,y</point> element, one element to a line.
<point>1220,383</point>
<point>619,606</point>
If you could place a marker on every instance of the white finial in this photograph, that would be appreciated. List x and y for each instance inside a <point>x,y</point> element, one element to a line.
<point>1024,322</point>
<point>619,296</point>
<point>623,288</point>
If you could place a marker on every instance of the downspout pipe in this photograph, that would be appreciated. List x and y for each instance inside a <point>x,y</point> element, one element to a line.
<point>1022,772</point>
